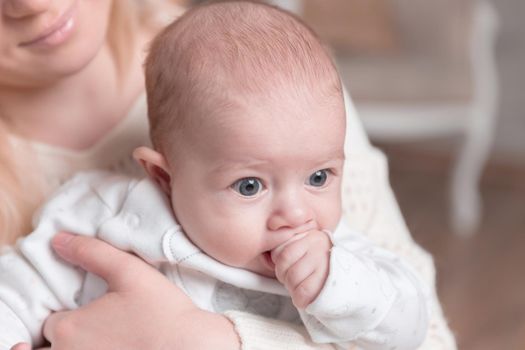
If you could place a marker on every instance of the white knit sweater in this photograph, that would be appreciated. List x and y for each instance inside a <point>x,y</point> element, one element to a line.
<point>369,207</point>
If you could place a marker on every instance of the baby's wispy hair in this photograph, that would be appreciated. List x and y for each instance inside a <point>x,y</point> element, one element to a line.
<point>219,52</point>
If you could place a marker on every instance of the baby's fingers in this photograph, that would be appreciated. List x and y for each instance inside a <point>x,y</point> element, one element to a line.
<point>309,288</point>
<point>304,280</point>
<point>288,257</point>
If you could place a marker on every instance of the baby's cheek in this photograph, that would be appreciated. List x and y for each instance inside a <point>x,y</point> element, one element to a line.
<point>232,245</point>
<point>236,232</point>
<point>330,217</point>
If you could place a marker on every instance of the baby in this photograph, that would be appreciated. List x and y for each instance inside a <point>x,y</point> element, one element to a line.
<point>242,204</point>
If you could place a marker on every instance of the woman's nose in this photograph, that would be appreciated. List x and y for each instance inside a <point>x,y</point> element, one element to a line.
<point>17,9</point>
<point>290,212</point>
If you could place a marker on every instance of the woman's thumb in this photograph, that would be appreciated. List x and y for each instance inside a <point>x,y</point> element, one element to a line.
<point>100,258</point>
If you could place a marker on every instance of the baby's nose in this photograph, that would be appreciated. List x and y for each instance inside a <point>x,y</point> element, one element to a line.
<point>290,212</point>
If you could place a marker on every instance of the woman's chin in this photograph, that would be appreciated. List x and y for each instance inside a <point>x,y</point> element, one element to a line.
<point>55,71</point>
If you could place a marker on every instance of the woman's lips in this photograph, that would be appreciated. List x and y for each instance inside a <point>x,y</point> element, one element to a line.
<point>57,33</point>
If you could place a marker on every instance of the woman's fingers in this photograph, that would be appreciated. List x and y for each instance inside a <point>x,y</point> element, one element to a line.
<point>116,267</point>
<point>54,327</point>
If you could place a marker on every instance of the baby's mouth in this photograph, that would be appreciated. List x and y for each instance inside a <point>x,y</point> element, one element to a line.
<point>268,258</point>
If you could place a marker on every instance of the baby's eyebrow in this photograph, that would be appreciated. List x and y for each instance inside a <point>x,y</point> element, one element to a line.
<point>235,164</point>
<point>337,155</point>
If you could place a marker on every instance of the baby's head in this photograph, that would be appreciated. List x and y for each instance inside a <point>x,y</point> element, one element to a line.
<point>247,121</point>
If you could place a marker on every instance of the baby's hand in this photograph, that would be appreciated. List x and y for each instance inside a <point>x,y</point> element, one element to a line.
<point>302,265</point>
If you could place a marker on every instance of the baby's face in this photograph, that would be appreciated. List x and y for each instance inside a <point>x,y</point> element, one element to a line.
<point>252,178</point>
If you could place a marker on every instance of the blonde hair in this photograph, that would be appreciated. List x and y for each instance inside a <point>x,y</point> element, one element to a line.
<point>21,189</point>
<point>18,196</point>
<point>219,51</point>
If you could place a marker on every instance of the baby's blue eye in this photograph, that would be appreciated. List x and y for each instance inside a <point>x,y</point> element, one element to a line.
<point>248,187</point>
<point>318,178</point>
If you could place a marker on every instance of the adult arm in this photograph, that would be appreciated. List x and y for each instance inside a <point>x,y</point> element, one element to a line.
<point>152,314</point>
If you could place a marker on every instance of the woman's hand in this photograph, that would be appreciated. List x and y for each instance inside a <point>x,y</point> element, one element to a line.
<point>141,310</point>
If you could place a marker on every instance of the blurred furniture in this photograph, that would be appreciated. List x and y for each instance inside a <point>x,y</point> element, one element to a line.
<point>420,70</point>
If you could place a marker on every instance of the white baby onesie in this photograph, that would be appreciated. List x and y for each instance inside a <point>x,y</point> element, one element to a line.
<point>371,298</point>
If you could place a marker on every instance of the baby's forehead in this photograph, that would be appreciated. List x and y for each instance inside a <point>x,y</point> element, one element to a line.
<point>276,132</point>
<point>245,111</point>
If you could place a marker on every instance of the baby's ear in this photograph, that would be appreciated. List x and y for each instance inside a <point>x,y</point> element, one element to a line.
<point>155,165</point>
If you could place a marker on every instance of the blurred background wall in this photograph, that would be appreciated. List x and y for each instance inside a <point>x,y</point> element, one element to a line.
<point>510,51</point>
